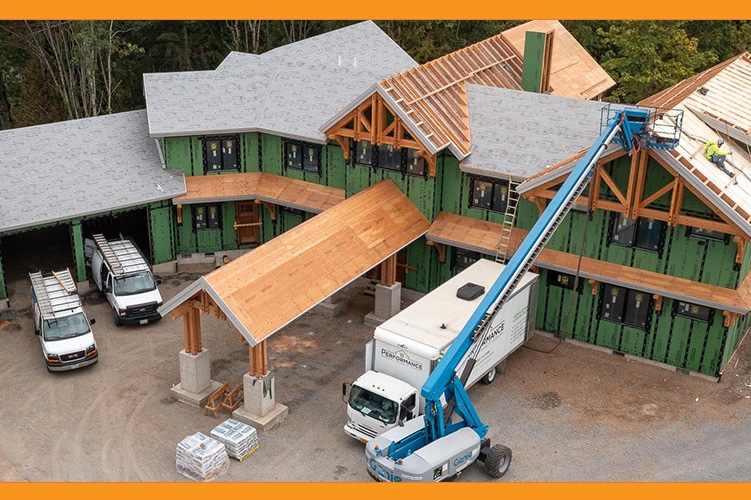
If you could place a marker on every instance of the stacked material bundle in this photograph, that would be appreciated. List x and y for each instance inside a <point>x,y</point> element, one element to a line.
<point>238,438</point>
<point>201,458</point>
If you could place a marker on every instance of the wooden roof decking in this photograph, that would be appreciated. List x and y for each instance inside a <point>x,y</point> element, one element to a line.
<point>268,287</point>
<point>433,96</point>
<point>263,186</point>
<point>574,72</point>
<point>483,236</point>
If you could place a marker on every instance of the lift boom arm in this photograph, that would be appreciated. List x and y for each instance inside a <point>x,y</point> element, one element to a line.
<point>625,126</point>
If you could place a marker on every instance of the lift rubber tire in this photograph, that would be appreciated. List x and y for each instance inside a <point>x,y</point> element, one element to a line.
<point>498,460</point>
<point>489,377</point>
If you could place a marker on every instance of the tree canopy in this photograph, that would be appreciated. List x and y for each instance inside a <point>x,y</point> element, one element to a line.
<point>59,70</point>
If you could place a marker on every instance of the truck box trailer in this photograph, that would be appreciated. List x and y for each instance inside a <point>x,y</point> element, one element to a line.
<point>405,348</point>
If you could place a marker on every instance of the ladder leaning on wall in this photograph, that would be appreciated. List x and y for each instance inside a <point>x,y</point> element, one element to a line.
<point>509,216</point>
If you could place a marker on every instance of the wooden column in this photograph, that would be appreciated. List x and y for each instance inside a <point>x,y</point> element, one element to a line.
<point>388,271</point>
<point>258,360</point>
<point>192,330</point>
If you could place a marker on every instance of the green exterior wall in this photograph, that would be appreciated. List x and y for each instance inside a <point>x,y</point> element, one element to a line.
<point>161,233</point>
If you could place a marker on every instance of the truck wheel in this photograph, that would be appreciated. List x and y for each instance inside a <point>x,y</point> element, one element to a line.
<point>489,377</point>
<point>498,460</point>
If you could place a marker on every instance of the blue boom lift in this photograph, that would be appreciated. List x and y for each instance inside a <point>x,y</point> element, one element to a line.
<point>435,448</point>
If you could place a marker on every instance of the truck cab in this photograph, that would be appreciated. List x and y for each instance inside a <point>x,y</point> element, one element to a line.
<point>378,402</point>
<point>123,275</point>
<point>61,323</point>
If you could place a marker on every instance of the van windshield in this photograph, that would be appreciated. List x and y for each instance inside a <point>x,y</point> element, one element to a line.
<point>66,327</point>
<point>134,283</point>
<point>372,404</point>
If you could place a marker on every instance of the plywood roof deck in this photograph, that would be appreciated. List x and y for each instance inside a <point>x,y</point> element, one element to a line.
<point>268,287</point>
<point>263,186</point>
<point>574,72</point>
<point>483,236</point>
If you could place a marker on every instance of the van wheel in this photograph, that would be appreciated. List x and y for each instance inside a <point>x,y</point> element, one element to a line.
<point>489,377</point>
<point>498,460</point>
<point>117,318</point>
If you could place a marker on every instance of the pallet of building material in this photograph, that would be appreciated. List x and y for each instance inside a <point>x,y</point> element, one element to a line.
<point>238,438</point>
<point>201,458</point>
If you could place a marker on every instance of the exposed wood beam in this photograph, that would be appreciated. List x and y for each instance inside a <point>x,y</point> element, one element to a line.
<point>658,302</point>
<point>676,201</point>
<point>594,284</point>
<point>658,194</point>
<point>611,184</point>
<point>441,250</point>
<point>270,206</point>
<point>388,271</point>
<point>730,318</point>
<point>740,248</point>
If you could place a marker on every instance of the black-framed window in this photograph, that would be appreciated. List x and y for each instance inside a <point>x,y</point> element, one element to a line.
<point>414,163</point>
<point>364,152</point>
<point>207,216</point>
<point>625,306</point>
<point>644,233</point>
<point>693,311</point>
<point>708,234</point>
<point>389,157</point>
<point>302,156</point>
<point>461,259</point>
<point>489,194</point>
<point>564,280</point>
<point>221,154</point>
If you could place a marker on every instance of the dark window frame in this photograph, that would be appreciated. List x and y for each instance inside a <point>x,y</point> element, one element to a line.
<point>224,166</point>
<point>623,311</point>
<point>707,234</point>
<point>635,233</point>
<point>497,194</point>
<point>303,162</point>
<point>564,280</point>
<point>693,311</point>
<point>205,222</point>
<point>409,162</point>
<point>467,258</point>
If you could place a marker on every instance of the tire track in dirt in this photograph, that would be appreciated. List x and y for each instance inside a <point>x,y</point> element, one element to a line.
<point>130,454</point>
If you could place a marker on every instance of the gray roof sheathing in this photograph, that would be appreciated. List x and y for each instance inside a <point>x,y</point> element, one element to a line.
<point>59,171</point>
<point>289,91</point>
<point>521,133</point>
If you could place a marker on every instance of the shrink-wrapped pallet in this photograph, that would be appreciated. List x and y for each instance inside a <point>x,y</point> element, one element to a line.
<point>239,439</point>
<point>201,458</point>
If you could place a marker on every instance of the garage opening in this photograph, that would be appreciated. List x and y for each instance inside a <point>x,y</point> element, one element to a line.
<point>132,223</point>
<point>47,249</point>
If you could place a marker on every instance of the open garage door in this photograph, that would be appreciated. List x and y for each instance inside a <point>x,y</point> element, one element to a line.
<point>132,223</point>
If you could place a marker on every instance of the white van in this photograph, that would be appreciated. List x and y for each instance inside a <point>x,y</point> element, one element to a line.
<point>123,274</point>
<point>59,320</point>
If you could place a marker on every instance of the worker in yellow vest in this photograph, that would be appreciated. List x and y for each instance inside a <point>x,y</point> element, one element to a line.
<point>714,154</point>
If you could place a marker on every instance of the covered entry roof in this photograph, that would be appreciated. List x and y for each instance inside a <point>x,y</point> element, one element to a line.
<point>263,186</point>
<point>268,287</point>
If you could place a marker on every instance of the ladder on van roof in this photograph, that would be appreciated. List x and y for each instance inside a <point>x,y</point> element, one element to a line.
<point>122,256</point>
<point>55,294</point>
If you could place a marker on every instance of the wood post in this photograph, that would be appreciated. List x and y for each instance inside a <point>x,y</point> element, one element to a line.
<point>192,330</point>
<point>388,271</point>
<point>258,360</point>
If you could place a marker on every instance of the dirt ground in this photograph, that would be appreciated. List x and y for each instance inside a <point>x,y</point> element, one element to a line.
<point>569,413</point>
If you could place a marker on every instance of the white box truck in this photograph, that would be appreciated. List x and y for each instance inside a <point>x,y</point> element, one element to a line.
<point>61,323</point>
<point>123,274</point>
<point>406,347</point>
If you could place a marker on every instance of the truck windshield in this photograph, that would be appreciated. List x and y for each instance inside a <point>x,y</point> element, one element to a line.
<point>134,283</point>
<point>372,404</point>
<point>66,327</point>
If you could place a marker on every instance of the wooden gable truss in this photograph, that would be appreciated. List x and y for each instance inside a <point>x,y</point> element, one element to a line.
<point>373,121</point>
<point>633,203</point>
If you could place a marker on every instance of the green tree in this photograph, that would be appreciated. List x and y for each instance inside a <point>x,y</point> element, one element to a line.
<point>644,57</point>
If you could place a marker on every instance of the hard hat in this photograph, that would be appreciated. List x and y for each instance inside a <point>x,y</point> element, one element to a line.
<point>720,141</point>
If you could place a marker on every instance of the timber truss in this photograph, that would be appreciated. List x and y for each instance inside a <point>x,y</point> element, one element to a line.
<point>636,203</point>
<point>373,121</point>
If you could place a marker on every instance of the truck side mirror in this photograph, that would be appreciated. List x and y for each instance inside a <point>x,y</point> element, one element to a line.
<point>92,321</point>
<point>344,391</point>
